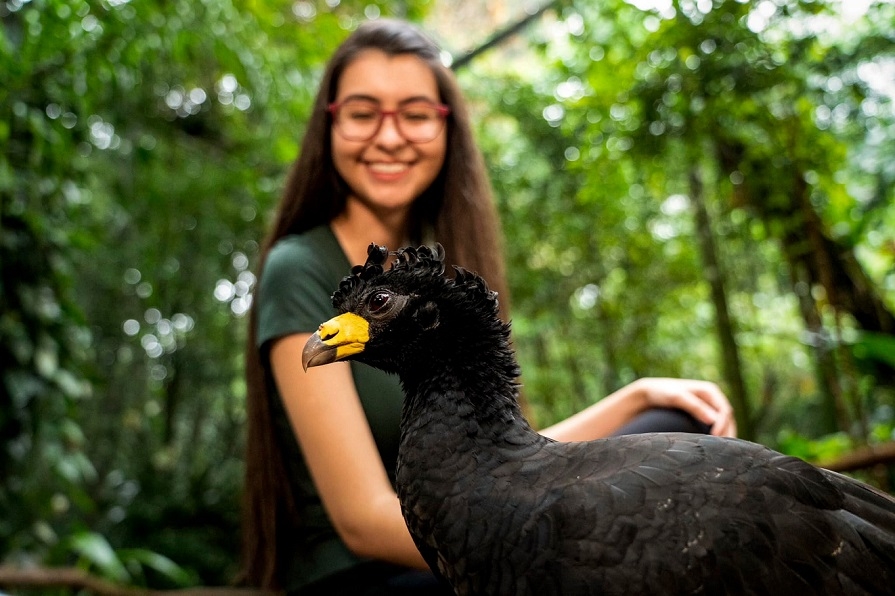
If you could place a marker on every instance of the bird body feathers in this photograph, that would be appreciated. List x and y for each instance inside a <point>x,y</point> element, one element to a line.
<point>496,508</point>
<point>645,514</point>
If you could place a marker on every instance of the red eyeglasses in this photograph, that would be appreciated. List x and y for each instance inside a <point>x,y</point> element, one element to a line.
<point>361,119</point>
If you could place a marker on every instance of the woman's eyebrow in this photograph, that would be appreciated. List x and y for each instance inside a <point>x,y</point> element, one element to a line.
<point>372,99</point>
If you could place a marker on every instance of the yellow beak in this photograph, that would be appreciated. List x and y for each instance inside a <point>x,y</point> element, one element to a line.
<point>336,339</point>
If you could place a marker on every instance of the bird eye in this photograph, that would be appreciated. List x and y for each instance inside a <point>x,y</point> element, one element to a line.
<point>378,301</point>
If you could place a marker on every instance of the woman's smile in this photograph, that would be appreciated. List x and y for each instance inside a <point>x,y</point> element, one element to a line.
<point>388,170</point>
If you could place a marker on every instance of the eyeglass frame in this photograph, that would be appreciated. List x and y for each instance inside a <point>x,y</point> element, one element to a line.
<point>443,111</point>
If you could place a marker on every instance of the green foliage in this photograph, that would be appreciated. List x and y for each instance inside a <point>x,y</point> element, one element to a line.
<point>592,153</point>
<point>874,347</point>
<point>823,449</point>
<point>95,550</point>
<point>124,566</point>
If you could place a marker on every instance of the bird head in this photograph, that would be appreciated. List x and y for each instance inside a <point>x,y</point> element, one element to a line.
<point>399,316</point>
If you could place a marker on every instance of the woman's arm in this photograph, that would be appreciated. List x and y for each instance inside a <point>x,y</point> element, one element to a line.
<point>701,399</point>
<point>332,430</point>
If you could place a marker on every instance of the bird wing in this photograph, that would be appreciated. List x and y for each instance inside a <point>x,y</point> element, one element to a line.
<point>660,513</point>
<point>695,513</point>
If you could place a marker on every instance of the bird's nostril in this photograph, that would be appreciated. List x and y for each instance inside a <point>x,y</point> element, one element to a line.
<point>326,332</point>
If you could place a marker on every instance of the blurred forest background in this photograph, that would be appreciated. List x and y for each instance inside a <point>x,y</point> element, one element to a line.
<point>698,188</point>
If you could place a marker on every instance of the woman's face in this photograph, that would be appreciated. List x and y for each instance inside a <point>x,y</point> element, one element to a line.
<point>388,172</point>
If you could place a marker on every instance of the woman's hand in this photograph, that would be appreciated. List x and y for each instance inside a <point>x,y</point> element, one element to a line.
<point>703,400</point>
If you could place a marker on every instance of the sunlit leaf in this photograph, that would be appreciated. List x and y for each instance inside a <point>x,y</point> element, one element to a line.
<point>159,563</point>
<point>96,551</point>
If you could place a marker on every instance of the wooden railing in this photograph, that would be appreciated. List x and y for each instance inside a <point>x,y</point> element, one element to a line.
<point>77,579</point>
<point>862,458</point>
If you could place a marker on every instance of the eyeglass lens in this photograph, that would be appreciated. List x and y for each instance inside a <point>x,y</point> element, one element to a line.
<point>361,120</point>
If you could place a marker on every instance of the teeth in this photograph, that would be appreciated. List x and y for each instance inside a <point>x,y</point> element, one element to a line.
<point>388,168</point>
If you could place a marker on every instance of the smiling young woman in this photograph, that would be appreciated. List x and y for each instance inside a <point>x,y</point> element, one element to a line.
<point>388,157</point>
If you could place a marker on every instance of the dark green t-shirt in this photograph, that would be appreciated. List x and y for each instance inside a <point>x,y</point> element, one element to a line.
<point>300,275</point>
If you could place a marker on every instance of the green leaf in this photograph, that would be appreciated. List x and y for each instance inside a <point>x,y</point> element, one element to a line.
<point>96,550</point>
<point>875,346</point>
<point>158,563</point>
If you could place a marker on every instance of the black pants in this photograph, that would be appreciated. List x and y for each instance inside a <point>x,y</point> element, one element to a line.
<point>663,420</point>
<point>377,579</point>
<point>381,579</point>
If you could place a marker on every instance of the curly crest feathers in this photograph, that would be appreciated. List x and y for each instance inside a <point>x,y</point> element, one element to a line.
<point>475,286</point>
<point>424,260</point>
<point>376,257</point>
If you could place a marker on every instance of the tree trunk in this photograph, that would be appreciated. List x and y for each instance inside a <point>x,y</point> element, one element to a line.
<point>781,198</point>
<point>833,415</point>
<point>790,217</point>
<point>730,355</point>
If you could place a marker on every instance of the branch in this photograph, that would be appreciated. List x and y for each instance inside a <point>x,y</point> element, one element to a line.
<point>71,577</point>
<point>500,36</point>
<point>864,457</point>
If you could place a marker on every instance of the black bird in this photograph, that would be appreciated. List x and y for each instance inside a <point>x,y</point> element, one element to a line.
<point>496,508</point>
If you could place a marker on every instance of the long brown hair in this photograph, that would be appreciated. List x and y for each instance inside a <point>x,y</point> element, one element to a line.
<point>457,209</point>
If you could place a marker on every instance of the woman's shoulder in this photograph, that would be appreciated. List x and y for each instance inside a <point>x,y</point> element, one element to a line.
<point>313,252</point>
<point>316,244</point>
<point>299,275</point>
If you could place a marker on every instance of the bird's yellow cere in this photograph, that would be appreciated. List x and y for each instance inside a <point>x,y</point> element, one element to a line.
<point>336,339</point>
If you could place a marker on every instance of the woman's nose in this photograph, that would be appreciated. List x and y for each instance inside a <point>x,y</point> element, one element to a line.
<point>389,133</point>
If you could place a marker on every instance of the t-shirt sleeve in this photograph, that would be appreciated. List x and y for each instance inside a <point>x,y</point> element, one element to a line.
<point>294,293</point>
